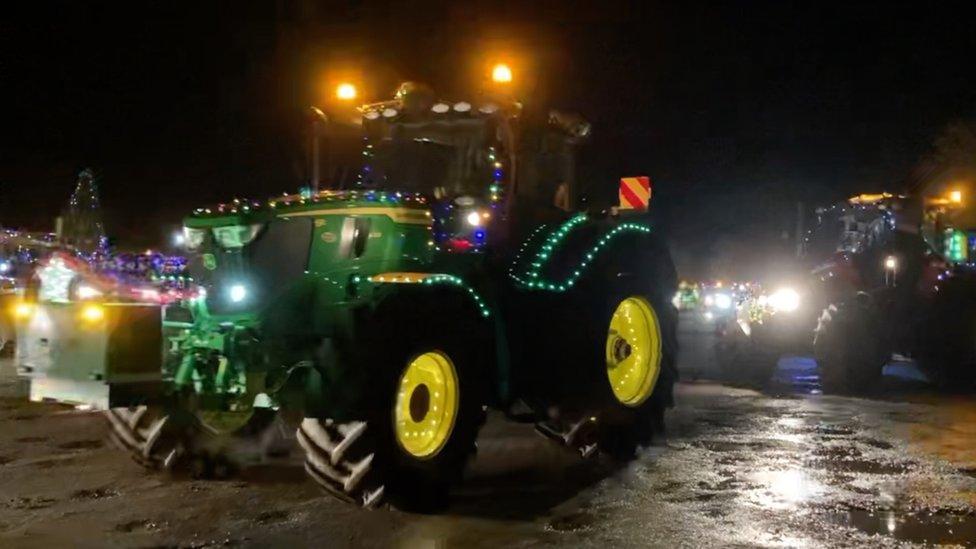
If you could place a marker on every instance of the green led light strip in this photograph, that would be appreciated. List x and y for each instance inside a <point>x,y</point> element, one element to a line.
<point>432,279</point>
<point>532,278</point>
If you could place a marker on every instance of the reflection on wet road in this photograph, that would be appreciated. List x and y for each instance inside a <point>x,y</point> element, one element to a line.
<point>788,467</point>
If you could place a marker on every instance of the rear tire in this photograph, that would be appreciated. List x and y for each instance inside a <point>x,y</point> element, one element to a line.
<point>624,427</point>
<point>849,349</point>
<point>947,342</point>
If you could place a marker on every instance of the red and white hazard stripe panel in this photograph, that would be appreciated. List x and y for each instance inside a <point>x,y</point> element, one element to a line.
<point>635,193</point>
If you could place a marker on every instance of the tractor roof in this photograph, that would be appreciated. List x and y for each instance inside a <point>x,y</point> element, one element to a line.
<point>285,204</point>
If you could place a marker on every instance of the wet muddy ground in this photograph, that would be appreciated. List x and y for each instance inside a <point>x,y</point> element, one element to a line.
<point>784,467</point>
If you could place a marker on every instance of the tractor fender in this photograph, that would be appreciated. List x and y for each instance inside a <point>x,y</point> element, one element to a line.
<point>398,298</point>
<point>595,253</point>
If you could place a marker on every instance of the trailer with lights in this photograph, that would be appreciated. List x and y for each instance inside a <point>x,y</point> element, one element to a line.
<point>879,281</point>
<point>442,269</point>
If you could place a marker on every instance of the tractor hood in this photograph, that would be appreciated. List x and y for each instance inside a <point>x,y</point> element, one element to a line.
<point>244,253</point>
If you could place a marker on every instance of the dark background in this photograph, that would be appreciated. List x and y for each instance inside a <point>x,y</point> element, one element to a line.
<point>736,110</point>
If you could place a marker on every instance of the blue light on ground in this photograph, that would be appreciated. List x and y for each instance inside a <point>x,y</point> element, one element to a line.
<point>803,374</point>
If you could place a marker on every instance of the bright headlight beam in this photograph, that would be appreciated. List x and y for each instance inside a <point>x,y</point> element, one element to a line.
<point>93,313</point>
<point>237,293</point>
<point>723,301</point>
<point>784,300</point>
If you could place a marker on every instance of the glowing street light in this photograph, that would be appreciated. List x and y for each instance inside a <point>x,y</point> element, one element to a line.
<point>501,73</point>
<point>346,91</point>
<point>955,197</point>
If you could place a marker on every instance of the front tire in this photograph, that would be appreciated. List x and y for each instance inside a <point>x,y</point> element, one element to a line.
<point>144,433</point>
<point>178,440</point>
<point>743,361</point>
<point>415,411</point>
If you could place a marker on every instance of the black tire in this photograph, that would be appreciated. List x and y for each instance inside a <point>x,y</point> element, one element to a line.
<point>353,453</point>
<point>623,429</point>
<point>947,337</point>
<point>636,266</point>
<point>743,361</point>
<point>174,440</point>
<point>849,348</point>
<point>144,432</point>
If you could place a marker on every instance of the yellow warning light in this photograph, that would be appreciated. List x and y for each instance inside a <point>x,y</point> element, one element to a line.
<point>501,73</point>
<point>869,199</point>
<point>93,313</point>
<point>23,310</point>
<point>955,197</point>
<point>346,91</point>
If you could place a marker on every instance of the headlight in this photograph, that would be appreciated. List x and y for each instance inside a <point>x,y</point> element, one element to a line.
<point>92,313</point>
<point>24,310</point>
<point>784,300</point>
<point>236,236</point>
<point>723,301</point>
<point>237,293</point>
<point>193,238</point>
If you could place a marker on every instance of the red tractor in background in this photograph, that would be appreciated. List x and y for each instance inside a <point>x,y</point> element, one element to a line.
<point>881,274</point>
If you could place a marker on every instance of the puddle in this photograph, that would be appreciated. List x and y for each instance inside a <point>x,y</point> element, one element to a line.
<point>927,528</point>
<point>576,522</point>
<point>137,525</point>
<point>875,443</point>
<point>95,493</point>
<point>833,430</point>
<point>30,504</point>
<point>270,517</point>
<point>81,445</point>
<point>730,446</point>
<point>837,452</point>
<point>30,439</point>
<point>860,466</point>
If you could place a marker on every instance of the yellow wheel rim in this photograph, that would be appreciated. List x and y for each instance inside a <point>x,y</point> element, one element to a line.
<point>633,351</point>
<point>426,405</point>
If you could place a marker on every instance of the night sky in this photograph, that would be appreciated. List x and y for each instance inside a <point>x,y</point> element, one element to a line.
<point>736,110</point>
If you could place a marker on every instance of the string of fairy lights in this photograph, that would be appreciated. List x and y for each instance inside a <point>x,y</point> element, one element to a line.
<point>431,280</point>
<point>532,278</point>
<point>239,205</point>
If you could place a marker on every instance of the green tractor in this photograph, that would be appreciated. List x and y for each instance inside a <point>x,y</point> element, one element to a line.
<point>442,272</point>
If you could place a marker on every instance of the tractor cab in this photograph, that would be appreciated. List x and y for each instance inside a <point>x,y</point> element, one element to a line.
<point>487,171</point>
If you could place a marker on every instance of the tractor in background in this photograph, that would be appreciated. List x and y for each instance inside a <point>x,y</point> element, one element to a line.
<point>877,284</point>
<point>442,269</point>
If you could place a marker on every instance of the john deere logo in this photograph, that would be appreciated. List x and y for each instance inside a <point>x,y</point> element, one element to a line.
<point>209,262</point>
<point>329,237</point>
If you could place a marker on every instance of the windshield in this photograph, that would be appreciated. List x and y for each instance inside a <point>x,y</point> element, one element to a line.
<point>413,166</point>
<point>436,158</point>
